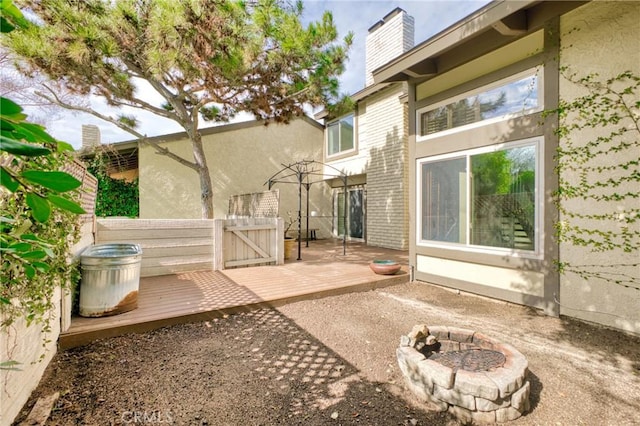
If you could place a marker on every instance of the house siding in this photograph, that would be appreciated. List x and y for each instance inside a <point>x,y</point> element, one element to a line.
<point>607,44</point>
<point>387,170</point>
<point>594,38</point>
<point>382,159</point>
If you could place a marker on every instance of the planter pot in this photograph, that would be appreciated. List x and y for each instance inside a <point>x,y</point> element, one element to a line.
<point>384,267</point>
<point>289,246</point>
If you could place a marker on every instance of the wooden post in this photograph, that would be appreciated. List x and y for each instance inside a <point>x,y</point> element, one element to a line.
<point>218,244</point>
<point>279,241</point>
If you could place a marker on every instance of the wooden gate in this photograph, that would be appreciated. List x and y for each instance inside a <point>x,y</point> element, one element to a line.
<point>248,242</point>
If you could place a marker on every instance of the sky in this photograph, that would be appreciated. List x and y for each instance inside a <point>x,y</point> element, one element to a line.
<point>431,17</point>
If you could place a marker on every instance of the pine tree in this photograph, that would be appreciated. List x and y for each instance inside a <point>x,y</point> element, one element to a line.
<point>208,60</point>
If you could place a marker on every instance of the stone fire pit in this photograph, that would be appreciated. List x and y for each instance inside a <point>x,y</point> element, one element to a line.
<point>475,378</point>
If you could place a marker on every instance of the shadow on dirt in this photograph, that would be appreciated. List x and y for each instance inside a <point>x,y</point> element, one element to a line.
<point>251,368</point>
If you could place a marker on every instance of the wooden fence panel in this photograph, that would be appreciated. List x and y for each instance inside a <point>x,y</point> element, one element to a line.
<point>172,246</point>
<point>168,246</point>
<point>250,242</point>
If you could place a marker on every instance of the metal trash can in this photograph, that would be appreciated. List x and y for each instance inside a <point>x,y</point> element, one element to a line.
<point>110,279</point>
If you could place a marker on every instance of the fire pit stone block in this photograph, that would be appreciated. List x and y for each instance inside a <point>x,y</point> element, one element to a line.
<point>486,393</point>
<point>483,341</point>
<point>507,414</point>
<point>520,398</point>
<point>453,397</point>
<point>439,374</point>
<point>441,333</point>
<point>491,405</point>
<point>477,384</point>
<point>460,335</point>
<point>506,381</point>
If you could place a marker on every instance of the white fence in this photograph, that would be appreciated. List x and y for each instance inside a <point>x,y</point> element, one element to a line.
<point>249,242</point>
<point>174,246</point>
<point>168,246</point>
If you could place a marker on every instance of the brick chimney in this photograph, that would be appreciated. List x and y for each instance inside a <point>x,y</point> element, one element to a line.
<point>90,136</point>
<point>387,39</point>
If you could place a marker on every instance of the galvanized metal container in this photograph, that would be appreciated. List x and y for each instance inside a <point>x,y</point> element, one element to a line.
<point>110,279</point>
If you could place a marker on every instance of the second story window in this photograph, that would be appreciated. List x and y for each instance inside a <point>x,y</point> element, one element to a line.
<point>517,95</point>
<point>340,135</point>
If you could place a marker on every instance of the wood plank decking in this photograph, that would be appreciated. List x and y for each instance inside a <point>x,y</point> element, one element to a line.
<point>196,296</point>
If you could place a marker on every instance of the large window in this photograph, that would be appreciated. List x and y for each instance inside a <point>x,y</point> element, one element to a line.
<point>340,136</point>
<point>482,198</point>
<point>520,94</point>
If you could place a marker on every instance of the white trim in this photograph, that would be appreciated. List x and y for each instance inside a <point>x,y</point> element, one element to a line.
<point>499,83</point>
<point>346,152</point>
<point>518,280</point>
<point>537,252</point>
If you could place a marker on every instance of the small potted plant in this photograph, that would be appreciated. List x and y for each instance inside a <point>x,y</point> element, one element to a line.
<point>289,242</point>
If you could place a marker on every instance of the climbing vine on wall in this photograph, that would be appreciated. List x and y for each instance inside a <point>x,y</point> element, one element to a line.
<point>115,197</point>
<point>599,168</point>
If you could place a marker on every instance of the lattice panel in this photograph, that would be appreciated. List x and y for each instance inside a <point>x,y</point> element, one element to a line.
<point>257,204</point>
<point>88,190</point>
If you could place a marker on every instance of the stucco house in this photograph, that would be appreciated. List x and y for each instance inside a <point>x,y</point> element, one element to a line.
<point>241,156</point>
<point>450,139</point>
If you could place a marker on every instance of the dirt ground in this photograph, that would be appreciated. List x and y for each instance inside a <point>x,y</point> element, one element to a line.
<point>332,361</point>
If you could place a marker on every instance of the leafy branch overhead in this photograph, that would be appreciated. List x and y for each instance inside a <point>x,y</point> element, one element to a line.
<point>43,188</point>
<point>206,59</point>
<point>33,189</point>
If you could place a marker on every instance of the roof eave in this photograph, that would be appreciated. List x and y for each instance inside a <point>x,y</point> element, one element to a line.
<point>508,18</point>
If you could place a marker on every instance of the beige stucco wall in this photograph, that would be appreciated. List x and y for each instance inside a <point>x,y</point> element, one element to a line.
<point>526,283</point>
<point>241,158</point>
<point>606,43</point>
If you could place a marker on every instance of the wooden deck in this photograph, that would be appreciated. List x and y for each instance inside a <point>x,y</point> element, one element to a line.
<point>196,296</point>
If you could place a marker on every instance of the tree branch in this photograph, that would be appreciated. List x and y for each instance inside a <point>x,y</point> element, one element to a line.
<point>293,95</point>
<point>195,118</point>
<point>159,87</point>
<point>140,104</point>
<point>143,138</point>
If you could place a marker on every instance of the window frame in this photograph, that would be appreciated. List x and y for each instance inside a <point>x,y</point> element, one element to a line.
<point>538,252</point>
<point>341,152</point>
<point>535,71</point>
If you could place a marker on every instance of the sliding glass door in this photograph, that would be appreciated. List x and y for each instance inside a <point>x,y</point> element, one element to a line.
<point>355,219</point>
